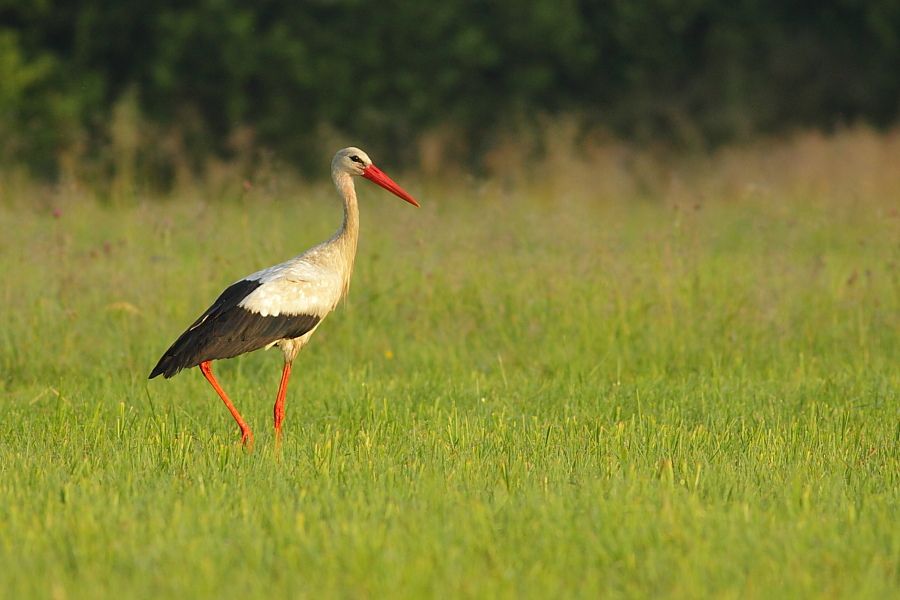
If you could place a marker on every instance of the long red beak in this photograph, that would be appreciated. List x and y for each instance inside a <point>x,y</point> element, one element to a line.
<point>374,174</point>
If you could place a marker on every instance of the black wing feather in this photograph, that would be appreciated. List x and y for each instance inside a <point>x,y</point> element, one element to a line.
<point>226,330</point>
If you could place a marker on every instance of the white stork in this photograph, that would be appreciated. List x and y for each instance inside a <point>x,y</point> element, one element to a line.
<point>282,305</point>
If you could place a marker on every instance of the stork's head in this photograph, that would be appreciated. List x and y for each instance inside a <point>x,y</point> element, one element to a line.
<point>354,161</point>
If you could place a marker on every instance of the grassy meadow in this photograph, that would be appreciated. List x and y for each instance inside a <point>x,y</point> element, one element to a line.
<point>601,373</point>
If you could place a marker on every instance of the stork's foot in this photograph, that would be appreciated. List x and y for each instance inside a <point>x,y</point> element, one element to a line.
<point>247,438</point>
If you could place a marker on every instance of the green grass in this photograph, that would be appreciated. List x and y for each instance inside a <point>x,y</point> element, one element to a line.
<point>528,393</point>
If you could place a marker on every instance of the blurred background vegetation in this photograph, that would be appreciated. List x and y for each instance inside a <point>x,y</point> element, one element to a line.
<point>151,92</point>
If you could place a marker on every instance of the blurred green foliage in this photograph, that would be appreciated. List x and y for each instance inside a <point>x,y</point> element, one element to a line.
<point>381,73</point>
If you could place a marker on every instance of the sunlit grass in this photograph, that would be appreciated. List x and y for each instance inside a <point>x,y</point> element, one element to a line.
<point>536,388</point>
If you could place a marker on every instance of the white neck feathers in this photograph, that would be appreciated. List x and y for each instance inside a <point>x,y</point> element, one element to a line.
<point>346,237</point>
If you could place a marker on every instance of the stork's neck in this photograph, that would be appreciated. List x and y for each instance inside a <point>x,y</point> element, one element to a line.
<point>346,237</point>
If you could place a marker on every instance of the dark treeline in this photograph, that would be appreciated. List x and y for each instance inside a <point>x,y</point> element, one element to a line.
<point>381,73</point>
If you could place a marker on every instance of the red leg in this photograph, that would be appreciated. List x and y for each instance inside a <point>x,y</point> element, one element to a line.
<point>279,400</point>
<point>246,434</point>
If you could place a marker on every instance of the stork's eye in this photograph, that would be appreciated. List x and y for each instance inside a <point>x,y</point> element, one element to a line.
<point>356,159</point>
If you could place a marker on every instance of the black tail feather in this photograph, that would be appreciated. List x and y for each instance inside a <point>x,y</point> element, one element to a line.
<point>167,366</point>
